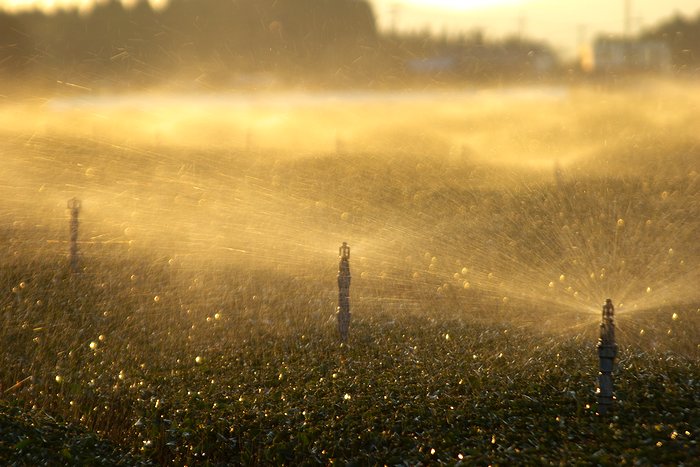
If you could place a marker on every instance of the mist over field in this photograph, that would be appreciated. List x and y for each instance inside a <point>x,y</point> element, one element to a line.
<point>173,196</point>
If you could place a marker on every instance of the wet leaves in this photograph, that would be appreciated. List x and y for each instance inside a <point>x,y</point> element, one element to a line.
<point>401,394</point>
<point>31,437</point>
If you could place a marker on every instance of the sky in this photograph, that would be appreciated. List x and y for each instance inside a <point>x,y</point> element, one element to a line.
<point>566,24</point>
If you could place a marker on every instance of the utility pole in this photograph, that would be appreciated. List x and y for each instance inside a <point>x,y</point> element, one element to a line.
<point>522,26</point>
<point>395,12</point>
<point>628,20</point>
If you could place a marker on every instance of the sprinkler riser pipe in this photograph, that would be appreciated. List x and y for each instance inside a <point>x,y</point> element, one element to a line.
<point>74,206</point>
<point>344,278</point>
<point>607,353</point>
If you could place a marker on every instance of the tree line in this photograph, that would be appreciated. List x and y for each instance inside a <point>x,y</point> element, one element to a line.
<point>235,42</point>
<point>193,38</point>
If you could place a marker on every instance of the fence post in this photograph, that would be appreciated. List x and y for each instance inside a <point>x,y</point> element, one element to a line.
<point>344,292</point>
<point>74,206</point>
<point>607,352</point>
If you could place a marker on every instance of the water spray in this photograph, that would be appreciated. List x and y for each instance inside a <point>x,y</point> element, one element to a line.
<point>344,292</point>
<point>607,352</point>
<point>74,206</point>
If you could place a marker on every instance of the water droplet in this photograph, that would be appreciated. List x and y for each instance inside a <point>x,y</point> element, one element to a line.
<point>93,345</point>
<point>675,317</point>
<point>347,397</point>
<point>466,284</point>
<point>648,289</point>
<point>562,278</point>
<point>670,251</point>
<point>641,332</point>
<point>664,195</point>
<point>465,271</point>
<point>620,222</point>
<point>551,285</point>
<point>101,337</point>
<point>198,359</point>
<point>447,337</point>
<point>59,378</point>
<point>432,451</point>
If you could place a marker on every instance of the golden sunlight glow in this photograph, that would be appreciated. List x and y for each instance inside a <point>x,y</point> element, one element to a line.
<point>50,6</point>
<point>462,4</point>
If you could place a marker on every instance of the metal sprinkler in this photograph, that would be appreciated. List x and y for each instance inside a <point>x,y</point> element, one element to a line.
<point>607,352</point>
<point>343,311</point>
<point>74,206</point>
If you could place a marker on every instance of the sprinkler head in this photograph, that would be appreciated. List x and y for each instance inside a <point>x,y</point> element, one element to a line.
<point>74,204</point>
<point>608,310</point>
<point>344,251</point>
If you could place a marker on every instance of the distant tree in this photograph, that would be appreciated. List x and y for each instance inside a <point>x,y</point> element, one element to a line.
<point>16,46</point>
<point>683,37</point>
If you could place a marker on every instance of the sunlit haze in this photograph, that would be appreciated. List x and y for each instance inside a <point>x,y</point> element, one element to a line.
<point>564,23</point>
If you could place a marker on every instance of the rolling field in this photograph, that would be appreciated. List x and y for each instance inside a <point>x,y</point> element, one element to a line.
<point>487,228</point>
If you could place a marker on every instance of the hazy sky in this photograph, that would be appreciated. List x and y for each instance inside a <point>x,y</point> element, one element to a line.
<point>564,23</point>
